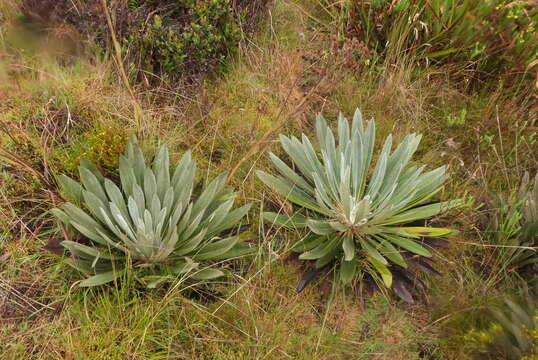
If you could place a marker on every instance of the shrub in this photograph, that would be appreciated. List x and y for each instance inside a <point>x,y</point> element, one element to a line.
<point>355,220</point>
<point>196,36</point>
<point>151,225</point>
<point>170,38</point>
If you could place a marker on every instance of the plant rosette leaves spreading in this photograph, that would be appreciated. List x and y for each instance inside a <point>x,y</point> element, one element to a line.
<point>151,224</point>
<point>361,222</point>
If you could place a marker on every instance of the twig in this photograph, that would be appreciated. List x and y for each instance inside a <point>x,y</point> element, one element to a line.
<point>119,63</point>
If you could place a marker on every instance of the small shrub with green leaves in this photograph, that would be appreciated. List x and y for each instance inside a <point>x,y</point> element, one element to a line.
<point>151,224</point>
<point>195,35</point>
<point>356,217</point>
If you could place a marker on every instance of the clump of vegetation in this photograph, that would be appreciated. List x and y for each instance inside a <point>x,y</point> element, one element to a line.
<point>529,208</point>
<point>363,223</point>
<point>101,146</point>
<point>151,225</point>
<point>209,35</point>
<point>512,333</point>
<point>484,36</point>
<point>165,38</point>
<point>514,230</point>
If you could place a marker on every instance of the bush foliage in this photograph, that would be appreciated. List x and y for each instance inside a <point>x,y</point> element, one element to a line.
<point>167,38</point>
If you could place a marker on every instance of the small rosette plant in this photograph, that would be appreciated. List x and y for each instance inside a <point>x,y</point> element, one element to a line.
<point>151,224</point>
<point>361,220</point>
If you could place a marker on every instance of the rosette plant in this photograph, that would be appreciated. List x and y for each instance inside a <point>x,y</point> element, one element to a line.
<point>360,219</point>
<point>151,224</point>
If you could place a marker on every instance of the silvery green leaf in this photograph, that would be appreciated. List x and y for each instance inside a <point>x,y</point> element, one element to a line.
<point>148,221</point>
<point>332,255</point>
<point>338,226</point>
<point>370,247</point>
<point>310,154</point>
<point>161,169</point>
<point>94,205</point>
<point>64,218</point>
<point>121,221</point>
<point>379,172</point>
<point>343,129</point>
<point>391,253</point>
<point>348,245</point>
<point>155,206</point>
<point>232,219</point>
<point>383,270</point>
<point>407,244</point>
<point>421,212</point>
<point>159,222</point>
<point>101,279</point>
<point>86,164</point>
<point>115,195</point>
<point>240,249</point>
<point>308,243</point>
<point>215,248</point>
<point>348,270</point>
<point>292,193</point>
<point>320,227</point>
<point>322,195</point>
<point>329,180</point>
<point>139,197</point>
<point>127,176</point>
<point>186,246</point>
<point>150,186</point>
<point>295,151</point>
<point>168,202</point>
<point>186,229</point>
<point>174,217</point>
<point>215,219</point>
<point>134,212</point>
<point>71,190</point>
<point>92,184</point>
<point>186,219</point>
<point>82,250</point>
<point>182,267</point>
<point>325,248</point>
<point>183,171</point>
<point>138,164</point>
<point>83,220</point>
<point>209,194</point>
<point>321,131</point>
<point>207,274</point>
<point>167,246</point>
<point>112,243</point>
<point>357,124</point>
<point>290,175</point>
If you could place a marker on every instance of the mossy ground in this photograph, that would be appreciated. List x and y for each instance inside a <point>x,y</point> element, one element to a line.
<point>52,111</point>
